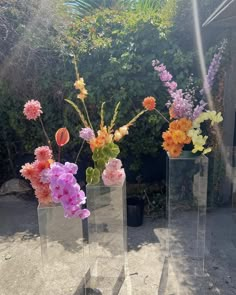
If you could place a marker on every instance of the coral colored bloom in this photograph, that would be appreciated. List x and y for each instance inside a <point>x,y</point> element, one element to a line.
<point>167,145</point>
<point>175,151</point>
<point>167,136</point>
<point>43,153</point>
<point>178,136</point>
<point>185,124</point>
<point>87,134</point>
<point>174,125</point>
<point>62,136</point>
<point>149,103</point>
<point>32,109</point>
<point>28,171</point>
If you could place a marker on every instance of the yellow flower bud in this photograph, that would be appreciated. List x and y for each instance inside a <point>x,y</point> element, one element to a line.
<point>117,135</point>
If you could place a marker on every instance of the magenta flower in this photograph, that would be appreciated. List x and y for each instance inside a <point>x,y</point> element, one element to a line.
<point>66,190</point>
<point>87,134</point>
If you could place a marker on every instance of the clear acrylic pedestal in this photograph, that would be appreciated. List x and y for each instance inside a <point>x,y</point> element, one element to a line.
<point>63,251</point>
<point>187,202</point>
<point>107,238</point>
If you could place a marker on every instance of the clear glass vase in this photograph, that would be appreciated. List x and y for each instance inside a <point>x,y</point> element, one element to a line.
<point>107,229</point>
<point>187,178</point>
<point>65,263</point>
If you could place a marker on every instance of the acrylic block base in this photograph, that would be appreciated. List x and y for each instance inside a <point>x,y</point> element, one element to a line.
<point>107,237</point>
<point>187,201</point>
<point>65,263</point>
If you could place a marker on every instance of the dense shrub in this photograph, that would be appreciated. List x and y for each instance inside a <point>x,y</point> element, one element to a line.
<point>115,50</point>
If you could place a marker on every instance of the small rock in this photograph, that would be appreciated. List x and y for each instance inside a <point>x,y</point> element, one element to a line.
<point>7,257</point>
<point>15,186</point>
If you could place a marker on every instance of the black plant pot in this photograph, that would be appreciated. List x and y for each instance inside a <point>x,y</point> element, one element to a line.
<point>135,209</point>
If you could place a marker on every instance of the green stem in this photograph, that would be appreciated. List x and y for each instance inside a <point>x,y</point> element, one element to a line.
<point>163,117</point>
<point>45,133</point>
<point>80,150</point>
<point>86,111</point>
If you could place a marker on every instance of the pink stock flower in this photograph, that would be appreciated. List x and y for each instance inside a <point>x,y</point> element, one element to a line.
<point>87,134</point>
<point>165,76</point>
<point>32,109</point>
<point>113,173</point>
<point>43,153</point>
<point>114,164</point>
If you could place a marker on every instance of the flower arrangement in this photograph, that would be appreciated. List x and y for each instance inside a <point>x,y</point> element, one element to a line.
<point>104,142</point>
<point>51,180</point>
<point>186,116</point>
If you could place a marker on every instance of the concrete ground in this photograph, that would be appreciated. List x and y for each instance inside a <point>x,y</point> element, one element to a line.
<point>149,270</point>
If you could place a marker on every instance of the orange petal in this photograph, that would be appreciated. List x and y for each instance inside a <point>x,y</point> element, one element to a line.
<point>62,136</point>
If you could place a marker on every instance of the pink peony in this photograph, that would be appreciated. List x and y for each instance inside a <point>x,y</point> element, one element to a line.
<point>43,153</point>
<point>32,109</point>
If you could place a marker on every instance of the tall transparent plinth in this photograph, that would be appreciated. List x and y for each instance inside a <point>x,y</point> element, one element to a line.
<point>187,201</point>
<point>64,253</point>
<point>107,238</point>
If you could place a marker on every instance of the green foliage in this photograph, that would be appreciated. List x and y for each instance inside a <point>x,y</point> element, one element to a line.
<point>102,155</point>
<point>92,175</point>
<point>115,49</point>
<point>115,54</point>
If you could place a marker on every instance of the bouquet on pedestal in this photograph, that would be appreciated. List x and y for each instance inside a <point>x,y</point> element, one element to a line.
<point>52,181</point>
<point>104,141</point>
<point>186,115</point>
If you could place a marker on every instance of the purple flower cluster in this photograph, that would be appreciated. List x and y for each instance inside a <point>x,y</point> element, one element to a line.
<point>199,109</point>
<point>87,134</point>
<point>65,189</point>
<point>182,104</point>
<point>213,68</point>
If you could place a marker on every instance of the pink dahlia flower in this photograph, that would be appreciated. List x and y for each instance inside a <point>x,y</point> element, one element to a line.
<point>32,109</point>
<point>43,153</point>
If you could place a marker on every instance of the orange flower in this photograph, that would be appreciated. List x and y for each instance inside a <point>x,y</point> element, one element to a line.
<point>178,136</point>
<point>62,136</point>
<point>167,145</point>
<point>149,103</point>
<point>185,124</point>
<point>174,125</point>
<point>171,112</point>
<point>175,150</point>
<point>167,136</point>
<point>188,140</point>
